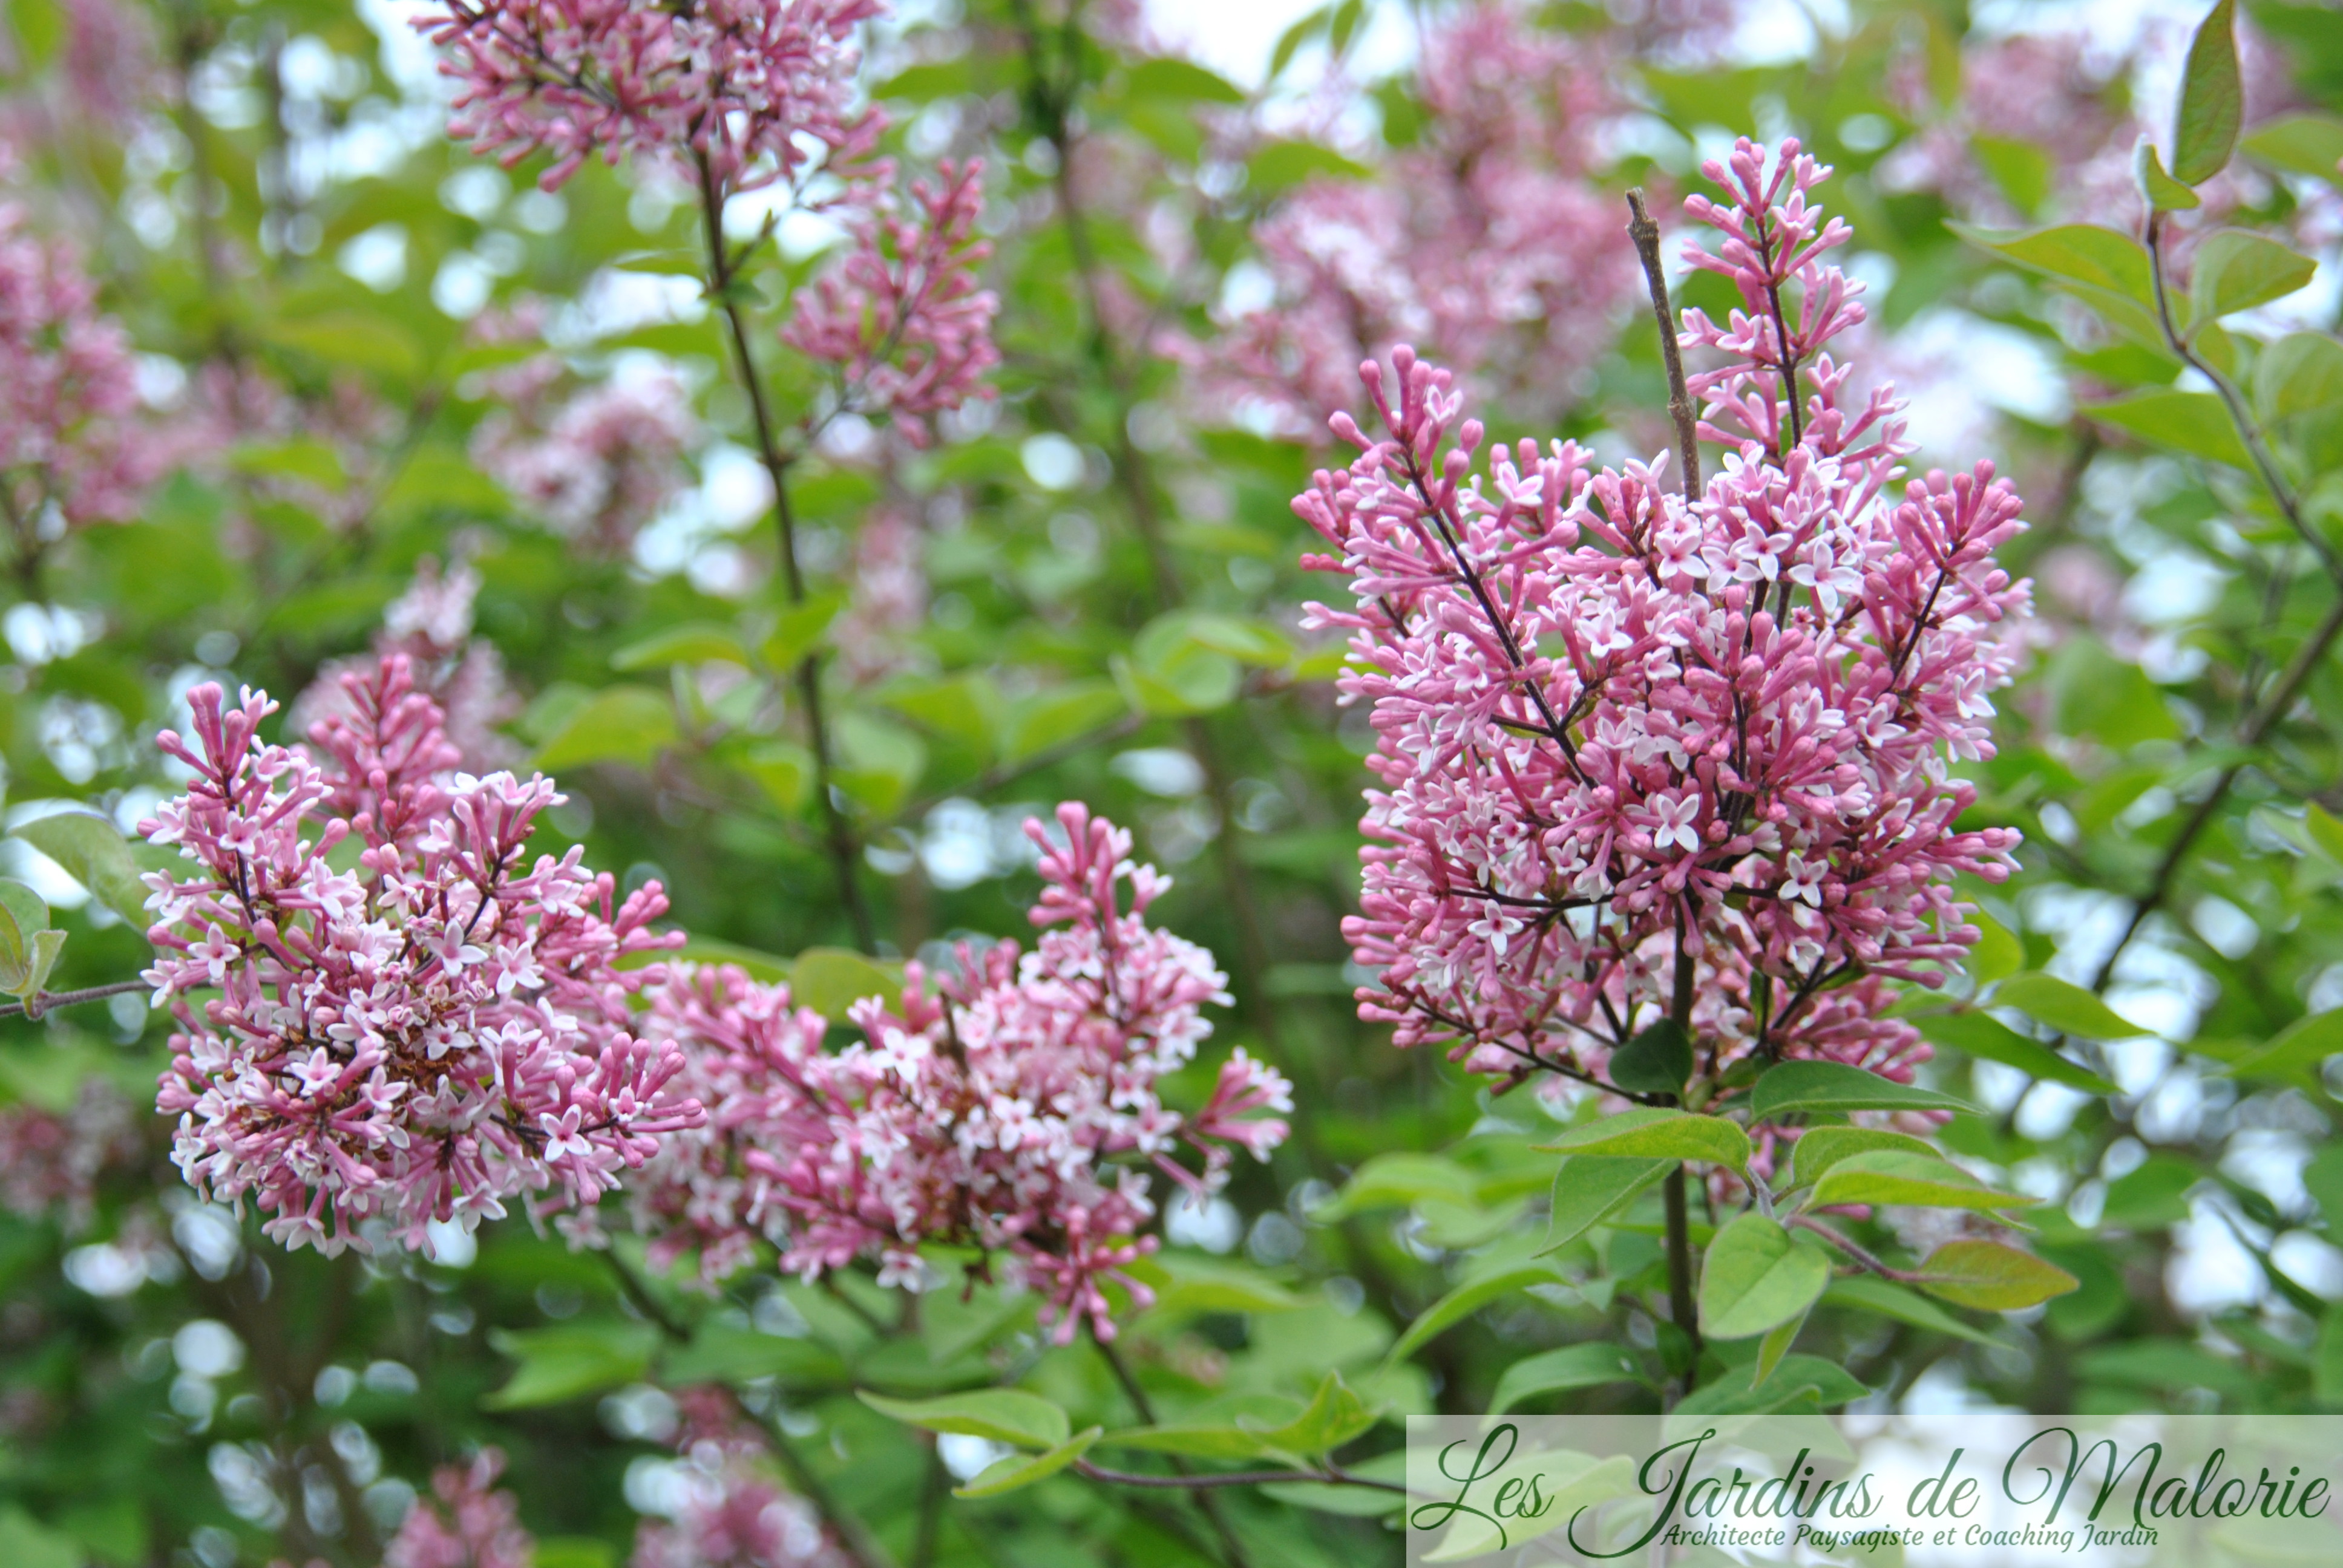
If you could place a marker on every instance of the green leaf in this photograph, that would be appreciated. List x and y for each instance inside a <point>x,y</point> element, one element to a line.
<point>2212,100</point>
<point>1820,1148</point>
<point>963,708</point>
<point>2236,270</point>
<point>1986,1038</point>
<point>718,1353</point>
<point>783,769</point>
<point>2164,193</point>
<point>2106,270</point>
<point>1990,1277</point>
<point>2064,1007</point>
<point>1278,166</point>
<point>574,1552</point>
<point>1756,1275</point>
<point>1833,1087</point>
<point>1006,1415</point>
<point>2192,422</point>
<point>1016,1472</point>
<point>570,1361</point>
<point>2304,143</point>
<point>2323,1180</point>
<point>1399,1181</point>
<point>1742,1392</point>
<point>1996,953</point>
<point>1335,1415</point>
<point>2151,1198</point>
<point>1774,1346</point>
<point>2302,373</point>
<point>1180,80</point>
<point>23,918</point>
<point>1649,1133</point>
<point>94,853</point>
<point>1467,1299</point>
<point>1062,714</point>
<point>2023,171</point>
<point>1658,1061</point>
<point>1588,1189</point>
<point>26,1542</point>
<point>361,340</point>
<point>40,29</point>
<point>1869,1293</point>
<point>2299,1048</point>
<point>831,979</point>
<point>1900,1178</point>
<point>619,723</point>
<point>2327,1363</point>
<point>799,630</point>
<point>699,642</point>
<point>1588,1365</point>
<point>1188,1284</point>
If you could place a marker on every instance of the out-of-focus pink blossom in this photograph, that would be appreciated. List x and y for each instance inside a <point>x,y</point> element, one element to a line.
<point>50,1160</point>
<point>901,320</point>
<point>97,85</point>
<point>1614,726</point>
<point>422,1035</point>
<point>1013,1111</point>
<point>752,86</point>
<point>70,452</point>
<point>471,1524</point>
<point>431,624</point>
<point>888,597</point>
<point>1485,242</point>
<point>733,1513</point>
<point>595,463</point>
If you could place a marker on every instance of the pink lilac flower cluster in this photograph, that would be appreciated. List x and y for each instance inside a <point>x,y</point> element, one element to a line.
<point>411,1022</point>
<point>732,1513</point>
<point>69,454</point>
<point>1012,1110</point>
<point>431,624</point>
<point>50,1160</point>
<point>886,597</point>
<point>1614,725</point>
<point>595,462</point>
<point>901,320</point>
<point>1485,241</point>
<point>754,88</point>
<point>471,1524</point>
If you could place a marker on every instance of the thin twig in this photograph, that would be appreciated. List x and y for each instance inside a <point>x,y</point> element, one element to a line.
<point>844,852</point>
<point>47,999</point>
<point>1146,1413</point>
<point>1646,233</point>
<point>1681,1305</point>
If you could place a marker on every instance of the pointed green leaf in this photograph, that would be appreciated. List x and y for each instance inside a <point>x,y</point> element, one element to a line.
<point>1742,1392</point>
<point>1007,1415</point>
<point>1819,1147</point>
<point>2164,193</point>
<point>1467,1299</point>
<point>1649,1133</point>
<point>831,979</point>
<point>1166,76</point>
<point>1020,1471</point>
<point>1588,1189</point>
<point>1900,1178</point>
<point>1987,1039</point>
<point>571,1361</point>
<point>1991,1277</point>
<point>94,853</point>
<point>2236,270</point>
<point>1658,1061</point>
<point>1196,1440</point>
<point>1335,1415</point>
<point>2305,144</point>
<point>1587,1366</point>
<point>1996,953</point>
<point>2212,99</point>
<point>1774,1346</point>
<point>799,630</point>
<point>619,724</point>
<point>2196,423</point>
<point>1756,1275</point>
<point>1797,1087</point>
<point>1399,1181</point>
<point>701,642</point>
<point>1869,1293</point>
<point>2299,1048</point>
<point>2064,1007</point>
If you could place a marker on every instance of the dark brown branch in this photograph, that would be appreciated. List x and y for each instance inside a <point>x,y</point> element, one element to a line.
<point>47,999</point>
<point>1646,233</point>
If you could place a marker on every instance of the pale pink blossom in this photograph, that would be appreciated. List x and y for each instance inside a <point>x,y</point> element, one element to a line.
<point>902,321</point>
<point>594,462</point>
<point>466,1522</point>
<point>733,1512</point>
<point>431,624</point>
<point>1592,759</point>
<point>50,1160</point>
<point>368,1063</point>
<point>1016,1109</point>
<point>755,87</point>
<point>70,449</point>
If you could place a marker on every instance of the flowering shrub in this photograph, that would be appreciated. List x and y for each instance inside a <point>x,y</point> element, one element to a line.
<point>467,1522</point>
<point>418,1037</point>
<point>991,1114</point>
<point>1644,754</point>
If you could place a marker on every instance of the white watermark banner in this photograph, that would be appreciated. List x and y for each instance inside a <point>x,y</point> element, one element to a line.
<point>1979,1490</point>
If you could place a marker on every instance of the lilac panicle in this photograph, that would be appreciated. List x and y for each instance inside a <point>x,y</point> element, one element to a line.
<point>1613,724</point>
